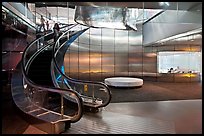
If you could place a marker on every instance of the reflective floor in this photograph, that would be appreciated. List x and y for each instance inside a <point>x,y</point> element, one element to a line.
<point>162,117</point>
<point>158,91</point>
<point>150,117</point>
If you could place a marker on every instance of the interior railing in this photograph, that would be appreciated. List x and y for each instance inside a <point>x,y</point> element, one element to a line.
<point>94,94</point>
<point>49,99</point>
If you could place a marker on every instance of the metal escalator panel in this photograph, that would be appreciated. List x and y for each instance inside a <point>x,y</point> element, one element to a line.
<point>94,94</point>
<point>38,86</point>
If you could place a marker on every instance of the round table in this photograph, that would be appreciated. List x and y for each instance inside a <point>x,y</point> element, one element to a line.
<point>124,81</point>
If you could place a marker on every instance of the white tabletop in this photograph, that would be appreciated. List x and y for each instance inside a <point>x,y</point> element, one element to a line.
<point>124,81</point>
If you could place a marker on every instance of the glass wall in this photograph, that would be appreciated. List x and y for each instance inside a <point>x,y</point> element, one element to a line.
<point>54,14</point>
<point>178,62</point>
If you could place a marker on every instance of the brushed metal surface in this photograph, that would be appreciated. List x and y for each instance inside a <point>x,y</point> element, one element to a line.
<point>157,117</point>
<point>117,123</point>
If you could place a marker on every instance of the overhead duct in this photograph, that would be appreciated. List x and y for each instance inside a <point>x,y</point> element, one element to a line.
<point>100,17</point>
<point>109,17</point>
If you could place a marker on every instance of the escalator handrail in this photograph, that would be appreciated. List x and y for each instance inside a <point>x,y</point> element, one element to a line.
<point>38,39</point>
<point>76,117</point>
<point>30,45</point>
<point>76,80</point>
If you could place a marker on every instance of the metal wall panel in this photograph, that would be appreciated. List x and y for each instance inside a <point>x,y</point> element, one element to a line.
<point>84,66</point>
<point>105,52</point>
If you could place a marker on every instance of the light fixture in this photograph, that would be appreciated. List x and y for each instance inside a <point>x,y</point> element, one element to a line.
<point>192,39</point>
<point>164,3</point>
<point>25,86</point>
<point>182,35</point>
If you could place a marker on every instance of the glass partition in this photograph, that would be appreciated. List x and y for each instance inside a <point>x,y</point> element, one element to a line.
<point>178,62</point>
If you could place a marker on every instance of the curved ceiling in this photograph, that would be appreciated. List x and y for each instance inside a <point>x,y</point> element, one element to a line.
<point>146,5</point>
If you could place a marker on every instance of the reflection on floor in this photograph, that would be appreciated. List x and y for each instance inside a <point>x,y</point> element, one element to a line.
<point>158,91</point>
<point>153,117</point>
<point>33,130</point>
<point>162,117</point>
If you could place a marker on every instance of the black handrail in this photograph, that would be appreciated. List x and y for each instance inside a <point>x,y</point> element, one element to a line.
<point>76,80</point>
<point>76,117</point>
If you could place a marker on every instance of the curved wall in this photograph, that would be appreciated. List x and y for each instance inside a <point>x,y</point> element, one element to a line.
<point>101,52</point>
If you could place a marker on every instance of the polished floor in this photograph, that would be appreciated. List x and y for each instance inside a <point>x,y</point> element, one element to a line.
<point>162,117</point>
<point>158,91</point>
<point>153,117</point>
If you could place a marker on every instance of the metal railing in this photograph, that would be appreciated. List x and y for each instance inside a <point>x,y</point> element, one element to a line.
<point>94,94</point>
<point>47,98</point>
